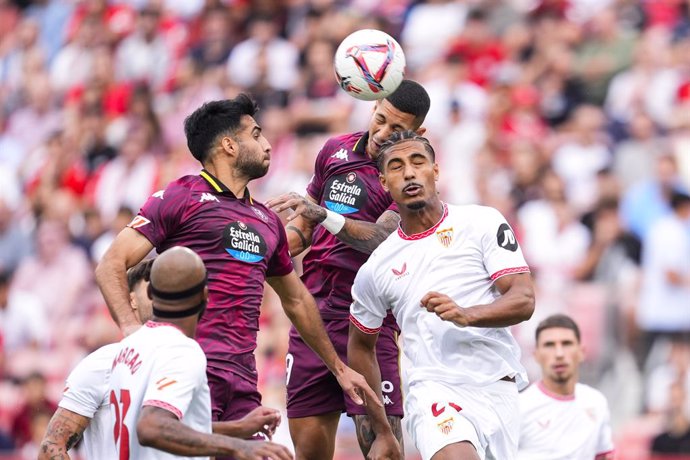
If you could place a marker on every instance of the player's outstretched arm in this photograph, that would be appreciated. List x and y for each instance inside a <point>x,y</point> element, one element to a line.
<point>361,355</point>
<point>515,305</point>
<point>301,309</point>
<point>361,235</point>
<point>64,431</point>
<point>262,419</point>
<point>162,430</point>
<point>128,249</point>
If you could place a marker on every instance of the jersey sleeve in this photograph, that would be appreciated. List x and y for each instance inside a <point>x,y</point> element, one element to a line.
<point>368,308</point>
<point>161,215</point>
<point>605,442</point>
<point>501,251</point>
<point>175,377</point>
<point>315,186</point>
<point>87,384</point>
<point>280,263</point>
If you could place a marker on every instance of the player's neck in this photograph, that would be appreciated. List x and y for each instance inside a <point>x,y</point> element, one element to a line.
<point>564,390</point>
<point>420,220</point>
<point>229,177</point>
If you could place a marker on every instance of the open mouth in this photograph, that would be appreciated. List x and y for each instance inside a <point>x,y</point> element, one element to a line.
<point>412,189</point>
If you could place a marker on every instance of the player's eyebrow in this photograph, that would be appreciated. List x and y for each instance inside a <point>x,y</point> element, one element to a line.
<point>256,128</point>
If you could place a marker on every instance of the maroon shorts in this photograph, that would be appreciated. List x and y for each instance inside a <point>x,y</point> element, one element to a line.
<point>313,390</point>
<point>232,396</point>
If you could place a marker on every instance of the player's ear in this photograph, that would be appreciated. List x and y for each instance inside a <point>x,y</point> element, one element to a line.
<point>436,172</point>
<point>133,301</point>
<point>382,179</point>
<point>420,131</point>
<point>229,145</point>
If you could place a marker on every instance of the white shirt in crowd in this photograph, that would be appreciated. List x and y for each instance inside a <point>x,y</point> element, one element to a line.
<point>461,256</point>
<point>557,427</point>
<point>86,394</point>
<point>157,366</point>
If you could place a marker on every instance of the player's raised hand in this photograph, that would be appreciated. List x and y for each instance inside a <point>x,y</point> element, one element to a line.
<point>262,419</point>
<point>357,388</point>
<point>300,205</point>
<point>261,450</point>
<point>445,308</point>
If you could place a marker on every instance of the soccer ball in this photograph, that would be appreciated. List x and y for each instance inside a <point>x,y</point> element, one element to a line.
<point>369,64</point>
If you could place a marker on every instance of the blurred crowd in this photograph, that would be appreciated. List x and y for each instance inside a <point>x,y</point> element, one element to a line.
<point>572,117</point>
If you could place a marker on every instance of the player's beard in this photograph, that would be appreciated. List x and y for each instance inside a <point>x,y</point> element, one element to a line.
<point>416,205</point>
<point>250,167</point>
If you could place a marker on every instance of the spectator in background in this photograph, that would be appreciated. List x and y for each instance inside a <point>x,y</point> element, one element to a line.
<point>213,48</point>
<point>634,158</point>
<point>73,64</point>
<point>674,441</point>
<point>35,403</point>
<point>22,318</point>
<point>15,241</point>
<point>665,290</point>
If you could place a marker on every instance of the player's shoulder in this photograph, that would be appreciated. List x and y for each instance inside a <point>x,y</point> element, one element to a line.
<point>179,188</point>
<point>472,211</point>
<point>589,394</point>
<point>342,141</point>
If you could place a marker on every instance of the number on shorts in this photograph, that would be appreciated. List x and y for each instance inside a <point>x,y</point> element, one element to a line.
<point>121,432</point>
<point>289,361</point>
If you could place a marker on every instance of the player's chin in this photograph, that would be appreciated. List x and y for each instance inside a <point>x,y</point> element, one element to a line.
<point>415,204</point>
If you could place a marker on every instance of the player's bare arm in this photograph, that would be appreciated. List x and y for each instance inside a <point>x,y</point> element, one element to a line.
<point>382,443</point>
<point>516,304</point>
<point>64,431</point>
<point>262,419</point>
<point>301,309</point>
<point>162,430</point>
<point>360,235</point>
<point>128,249</point>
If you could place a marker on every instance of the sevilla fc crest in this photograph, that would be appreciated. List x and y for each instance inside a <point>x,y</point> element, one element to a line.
<point>445,236</point>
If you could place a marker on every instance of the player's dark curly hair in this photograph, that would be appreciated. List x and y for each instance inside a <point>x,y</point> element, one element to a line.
<point>399,137</point>
<point>213,119</point>
<point>411,97</point>
<point>140,272</point>
<point>558,320</point>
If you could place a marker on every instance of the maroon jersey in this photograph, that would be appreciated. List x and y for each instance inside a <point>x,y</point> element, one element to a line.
<point>345,181</point>
<point>241,243</point>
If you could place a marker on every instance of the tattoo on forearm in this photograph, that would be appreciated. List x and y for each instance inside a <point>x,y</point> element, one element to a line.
<point>299,233</point>
<point>63,433</point>
<point>396,425</point>
<point>366,236</point>
<point>365,433</point>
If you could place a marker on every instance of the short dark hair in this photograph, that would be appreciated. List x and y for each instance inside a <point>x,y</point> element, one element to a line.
<point>679,199</point>
<point>411,97</point>
<point>140,272</point>
<point>213,119</point>
<point>558,320</point>
<point>399,137</point>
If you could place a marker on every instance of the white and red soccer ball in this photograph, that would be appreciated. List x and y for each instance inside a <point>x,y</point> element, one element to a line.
<point>369,64</point>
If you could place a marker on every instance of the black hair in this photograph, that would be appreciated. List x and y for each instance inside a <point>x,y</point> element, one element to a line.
<point>399,137</point>
<point>679,199</point>
<point>411,97</point>
<point>213,119</point>
<point>558,320</point>
<point>140,272</point>
<point>5,276</point>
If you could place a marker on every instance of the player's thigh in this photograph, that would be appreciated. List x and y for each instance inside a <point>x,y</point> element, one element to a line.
<point>312,389</point>
<point>457,451</point>
<point>232,397</point>
<point>435,419</point>
<point>314,437</point>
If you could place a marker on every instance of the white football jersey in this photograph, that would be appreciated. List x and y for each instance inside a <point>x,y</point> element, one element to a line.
<point>85,394</point>
<point>555,427</point>
<point>461,256</point>
<point>157,366</point>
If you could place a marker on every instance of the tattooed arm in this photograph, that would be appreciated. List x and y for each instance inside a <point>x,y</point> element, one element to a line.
<point>366,434</point>
<point>361,235</point>
<point>63,432</point>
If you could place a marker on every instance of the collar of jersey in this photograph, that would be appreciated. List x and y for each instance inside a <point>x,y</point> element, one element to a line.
<point>360,147</point>
<point>425,233</point>
<point>220,187</point>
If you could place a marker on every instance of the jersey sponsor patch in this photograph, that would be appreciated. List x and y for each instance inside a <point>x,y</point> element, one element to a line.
<point>243,242</point>
<point>506,238</point>
<point>138,221</point>
<point>345,193</point>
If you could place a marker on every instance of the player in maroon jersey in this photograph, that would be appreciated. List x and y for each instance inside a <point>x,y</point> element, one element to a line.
<point>242,244</point>
<point>343,218</point>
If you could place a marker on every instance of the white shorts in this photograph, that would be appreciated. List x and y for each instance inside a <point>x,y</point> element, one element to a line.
<point>438,414</point>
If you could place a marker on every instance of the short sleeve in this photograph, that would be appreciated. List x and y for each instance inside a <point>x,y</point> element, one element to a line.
<point>161,215</point>
<point>501,250</point>
<point>87,384</point>
<point>368,308</point>
<point>315,186</point>
<point>280,263</point>
<point>175,377</point>
<point>605,441</point>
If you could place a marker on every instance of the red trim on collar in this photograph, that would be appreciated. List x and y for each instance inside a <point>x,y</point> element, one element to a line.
<point>553,395</point>
<point>425,233</point>
<point>153,324</point>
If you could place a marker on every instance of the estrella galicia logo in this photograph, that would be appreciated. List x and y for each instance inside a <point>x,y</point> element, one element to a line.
<point>243,242</point>
<point>506,238</point>
<point>345,193</point>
